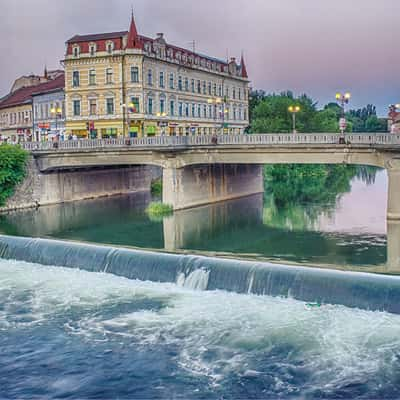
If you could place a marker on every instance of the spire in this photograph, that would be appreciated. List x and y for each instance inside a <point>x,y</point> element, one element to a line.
<point>45,74</point>
<point>243,67</point>
<point>134,41</point>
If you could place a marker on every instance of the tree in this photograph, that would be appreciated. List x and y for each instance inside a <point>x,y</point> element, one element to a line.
<point>12,169</point>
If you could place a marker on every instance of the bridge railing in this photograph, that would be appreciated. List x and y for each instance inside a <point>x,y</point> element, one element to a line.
<point>207,140</point>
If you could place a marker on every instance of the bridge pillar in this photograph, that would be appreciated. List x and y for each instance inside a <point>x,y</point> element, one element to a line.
<point>393,170</point>
<point>393,246</point>
<point>197,185</point>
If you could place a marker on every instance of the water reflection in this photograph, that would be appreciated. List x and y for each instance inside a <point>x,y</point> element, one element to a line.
<point>348,234</point>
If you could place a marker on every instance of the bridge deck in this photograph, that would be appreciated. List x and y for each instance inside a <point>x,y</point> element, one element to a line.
<point>383,141</point>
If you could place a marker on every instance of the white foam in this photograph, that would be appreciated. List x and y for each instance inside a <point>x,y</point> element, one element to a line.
<point>217,333</point>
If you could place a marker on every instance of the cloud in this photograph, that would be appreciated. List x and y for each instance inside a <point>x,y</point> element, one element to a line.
<point>310,46</point>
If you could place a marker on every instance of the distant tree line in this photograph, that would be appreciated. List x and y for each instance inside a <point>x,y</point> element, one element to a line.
<point>269,114</point>
<point>321,184</point>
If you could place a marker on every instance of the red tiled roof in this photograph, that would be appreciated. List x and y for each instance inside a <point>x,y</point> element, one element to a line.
<point>24,95</point>
<point>97,36</point>
<point>55,84</point>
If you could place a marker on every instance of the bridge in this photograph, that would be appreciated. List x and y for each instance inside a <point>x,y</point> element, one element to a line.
<point>199,170</point>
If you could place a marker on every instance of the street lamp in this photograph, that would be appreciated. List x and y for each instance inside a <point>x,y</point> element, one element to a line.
<point>294,110</point>
<point>223,110</point>
<point>343,99</point>
<point>162,124</point>
<point>56,111</point>
<point>126,109</point>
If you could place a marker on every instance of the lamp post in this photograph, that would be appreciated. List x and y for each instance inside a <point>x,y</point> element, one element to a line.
<point>56,111</point>
<point>162,115</point>
<point>294,110</point>
<point>223,110</point>
<point>126,109</point>
<point>343,99</point>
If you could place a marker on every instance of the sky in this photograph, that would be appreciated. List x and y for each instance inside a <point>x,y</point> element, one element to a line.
<point>318,47</point>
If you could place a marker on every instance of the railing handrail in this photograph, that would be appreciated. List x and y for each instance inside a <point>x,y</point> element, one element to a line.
<point>287,139</point>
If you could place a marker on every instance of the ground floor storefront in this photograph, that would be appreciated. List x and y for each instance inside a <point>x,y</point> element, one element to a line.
<point>108,129</point>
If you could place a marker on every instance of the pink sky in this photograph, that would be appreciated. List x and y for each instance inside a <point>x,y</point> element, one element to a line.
<point>312,46</point>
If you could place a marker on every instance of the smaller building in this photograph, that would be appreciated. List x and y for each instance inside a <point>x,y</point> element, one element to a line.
<point>48,104</point>
<point>394,119</point>
<point>16,116</point>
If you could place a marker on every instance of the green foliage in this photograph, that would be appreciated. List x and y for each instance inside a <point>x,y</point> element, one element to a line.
<point>365,120</point>
<point>158,209</point>
<point>156,187</point>
<point>12,170</point>
<point>269,113</point>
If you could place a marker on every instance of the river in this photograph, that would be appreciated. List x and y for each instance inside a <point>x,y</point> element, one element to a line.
<point>350,233</point>
<point>70,333</point>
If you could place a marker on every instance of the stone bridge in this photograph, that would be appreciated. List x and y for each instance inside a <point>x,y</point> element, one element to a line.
<point>199,170</point>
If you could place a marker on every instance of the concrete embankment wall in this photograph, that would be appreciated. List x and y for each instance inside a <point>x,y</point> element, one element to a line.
<point>71,185</point>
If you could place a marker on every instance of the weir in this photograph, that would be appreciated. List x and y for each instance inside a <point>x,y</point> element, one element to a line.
<point>351,289</point>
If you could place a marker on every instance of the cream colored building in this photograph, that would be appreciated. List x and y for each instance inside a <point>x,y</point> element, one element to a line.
<point>125,84</point>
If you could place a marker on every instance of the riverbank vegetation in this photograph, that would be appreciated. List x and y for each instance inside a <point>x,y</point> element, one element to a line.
<point>156,187</point>
<point>158,209</point>
<point>12,170</point>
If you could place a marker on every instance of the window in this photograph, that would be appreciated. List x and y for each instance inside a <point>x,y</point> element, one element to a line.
<point>187,84</point>
<point>209,88</point>
<point>234,113</point>
<point>134,74</point>
<point>240,94</point>
<point>172,108</point>
<point>110,47</point>
<point>193,86</point>
<point>234,93</point>
<point>215,89</point>
<point>76,51</point>
<point>204,87</point>
<point>150,106</point>
<point>92,107</point>
<point>161,79</point>
<point>219,90</point>
<point>186,110</point>
<point>205,111</point>
<point>162,106</point>
<point>75,79</point>
<point>171,81</point>
<point>193,110</point>
<point>209,111</point>
<point>92,49</point>
<point>198,86</point>
<point>199,111</point>
<point>180,83</point>
<point>135,103</point>
<point>77,108</point>
<point>110,106</point>
<point>150,77</point>
<point>109,75</point>
<point>92,77</point>
<point>181,109</point>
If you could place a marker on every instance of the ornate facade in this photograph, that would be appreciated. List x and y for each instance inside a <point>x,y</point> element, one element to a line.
<point>125,84</point>
<point>16,116</point>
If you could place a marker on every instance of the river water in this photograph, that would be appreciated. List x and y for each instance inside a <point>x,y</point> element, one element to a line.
<point>68,333</point>
<point>348,234</point>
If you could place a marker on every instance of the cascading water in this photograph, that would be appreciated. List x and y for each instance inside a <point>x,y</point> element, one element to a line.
<point>366,291</point>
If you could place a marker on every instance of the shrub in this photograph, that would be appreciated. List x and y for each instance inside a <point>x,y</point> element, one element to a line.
<point>156,187</point>
<point>12,170</point>
<point>158,209</point>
